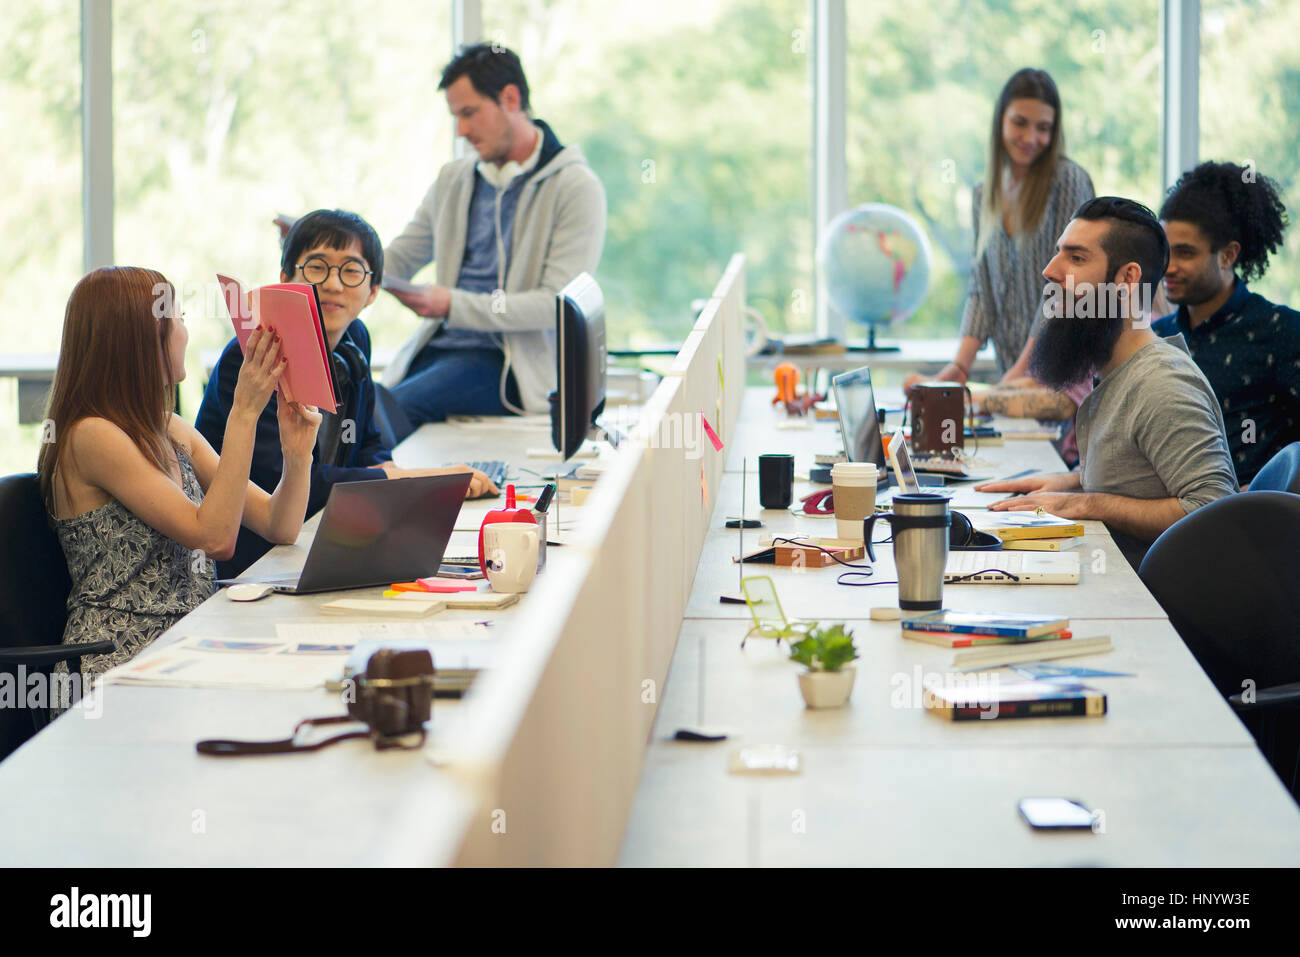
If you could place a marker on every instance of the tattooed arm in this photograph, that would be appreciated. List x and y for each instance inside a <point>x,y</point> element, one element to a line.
<point>1033,403</point>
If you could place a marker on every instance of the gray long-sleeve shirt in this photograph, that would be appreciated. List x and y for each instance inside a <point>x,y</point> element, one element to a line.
<point>1153,429</point>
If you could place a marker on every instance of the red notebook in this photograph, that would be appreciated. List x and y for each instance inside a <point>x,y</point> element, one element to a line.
<point>292,312</point>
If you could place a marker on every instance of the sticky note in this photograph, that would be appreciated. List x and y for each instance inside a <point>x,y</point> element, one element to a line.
<point>713,436</point>
<point>704,486</point>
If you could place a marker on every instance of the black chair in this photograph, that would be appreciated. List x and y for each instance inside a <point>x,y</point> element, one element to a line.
<point>1228,577</point>
<point>390,418</point>
<point>1281,473</point>
<point>34,588</point>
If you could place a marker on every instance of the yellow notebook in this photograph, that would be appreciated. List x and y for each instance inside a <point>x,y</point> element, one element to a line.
<point>1018,526</point>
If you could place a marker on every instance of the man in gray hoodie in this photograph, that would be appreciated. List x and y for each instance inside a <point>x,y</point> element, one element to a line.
<point>508,228</point>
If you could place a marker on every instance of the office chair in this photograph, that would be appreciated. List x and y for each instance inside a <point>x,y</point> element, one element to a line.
<point>1228,578</point>
<point>1281,473</point>
<point>390,418</point>
<point>34,586</point>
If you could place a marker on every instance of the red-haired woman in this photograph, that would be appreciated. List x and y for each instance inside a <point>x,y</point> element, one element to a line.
<point>139,500</point>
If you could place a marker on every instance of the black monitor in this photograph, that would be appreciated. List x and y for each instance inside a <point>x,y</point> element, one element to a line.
<point>579,398</point>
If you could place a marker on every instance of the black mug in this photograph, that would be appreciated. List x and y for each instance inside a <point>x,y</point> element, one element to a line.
<point>776,480</point>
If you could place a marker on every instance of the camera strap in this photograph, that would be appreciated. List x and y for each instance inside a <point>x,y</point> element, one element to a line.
<point>228,748</point>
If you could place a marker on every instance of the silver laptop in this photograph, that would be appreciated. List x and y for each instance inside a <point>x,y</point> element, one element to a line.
<point>1012,568</point>
<point>855,404</point>
<point>377,533</point>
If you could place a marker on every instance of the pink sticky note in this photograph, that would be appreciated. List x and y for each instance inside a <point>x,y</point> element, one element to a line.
<point>713,436</point>
<point>445,585</point>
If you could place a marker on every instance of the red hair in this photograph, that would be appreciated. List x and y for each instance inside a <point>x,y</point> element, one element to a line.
<point>111,364</point>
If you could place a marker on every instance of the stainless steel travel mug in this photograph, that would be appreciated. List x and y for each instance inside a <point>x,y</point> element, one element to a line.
<point>920,525</point>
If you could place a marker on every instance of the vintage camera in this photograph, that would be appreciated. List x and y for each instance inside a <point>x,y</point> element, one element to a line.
<point>394,698</point>
<point>395,695</point>
<point>938,409</point>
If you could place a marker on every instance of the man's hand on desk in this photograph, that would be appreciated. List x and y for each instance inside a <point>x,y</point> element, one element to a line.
<point>479,484</point>
<point>433,303</point>
<point>1052,482</point>
<point>1071,505</point>
<point>952,372</point>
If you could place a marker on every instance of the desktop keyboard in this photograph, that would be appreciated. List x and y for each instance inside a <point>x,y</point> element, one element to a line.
<point>494,469</point>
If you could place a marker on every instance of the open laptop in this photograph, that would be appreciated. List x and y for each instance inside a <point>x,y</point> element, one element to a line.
<point>376,533</point>
<point>907,481</point>
<point>855,404</point>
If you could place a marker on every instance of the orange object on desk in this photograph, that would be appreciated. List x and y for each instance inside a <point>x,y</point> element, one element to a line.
<point>787,382</point>
<point>407,586</point>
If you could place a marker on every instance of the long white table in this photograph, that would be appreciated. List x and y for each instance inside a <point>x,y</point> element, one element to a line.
<point>1176,776</point>
<point>128,787</point>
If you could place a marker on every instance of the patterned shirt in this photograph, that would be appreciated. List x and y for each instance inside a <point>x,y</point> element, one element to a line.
<point>1006,282</point>
<point>130,582</point>
<point>1250,351</point>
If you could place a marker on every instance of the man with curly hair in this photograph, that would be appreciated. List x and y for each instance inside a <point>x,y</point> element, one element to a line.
<point>1223,222</point>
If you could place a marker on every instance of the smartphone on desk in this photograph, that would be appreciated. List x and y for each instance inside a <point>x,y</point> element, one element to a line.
<point>465,572</point>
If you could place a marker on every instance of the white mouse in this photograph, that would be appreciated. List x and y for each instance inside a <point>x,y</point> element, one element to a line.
<point>249,591</point>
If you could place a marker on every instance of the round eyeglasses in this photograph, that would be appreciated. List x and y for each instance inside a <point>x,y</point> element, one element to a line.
<point>316,271</point>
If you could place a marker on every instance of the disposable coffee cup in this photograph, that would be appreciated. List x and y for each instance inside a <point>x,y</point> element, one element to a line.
<point>853,489</point>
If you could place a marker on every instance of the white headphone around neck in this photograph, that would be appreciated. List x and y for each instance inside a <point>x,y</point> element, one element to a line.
<point>499,176</point>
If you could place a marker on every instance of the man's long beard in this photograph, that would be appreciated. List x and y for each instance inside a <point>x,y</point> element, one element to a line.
<point>1068,351</point>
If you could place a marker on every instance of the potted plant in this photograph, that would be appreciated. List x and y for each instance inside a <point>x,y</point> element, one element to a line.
<point>826,653</point>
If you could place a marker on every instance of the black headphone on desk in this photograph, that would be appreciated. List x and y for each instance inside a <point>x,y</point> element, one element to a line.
<point>965,537</point>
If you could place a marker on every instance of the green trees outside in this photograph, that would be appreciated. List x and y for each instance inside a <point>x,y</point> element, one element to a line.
<point>695,114</point>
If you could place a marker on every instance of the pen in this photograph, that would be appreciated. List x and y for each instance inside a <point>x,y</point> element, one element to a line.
<point>544,498</point>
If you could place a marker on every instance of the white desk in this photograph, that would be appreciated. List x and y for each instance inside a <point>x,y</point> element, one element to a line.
<point>1177,776</point>
<point>128,788</point>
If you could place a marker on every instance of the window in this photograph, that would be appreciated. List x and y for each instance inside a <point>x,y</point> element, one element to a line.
<point>40,218</point>
<point>695,116</point>
<point>1250,96</point>
<point>227,114</point>
<point>922,84</point>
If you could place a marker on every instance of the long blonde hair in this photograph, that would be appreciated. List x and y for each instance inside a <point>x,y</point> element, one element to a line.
<point>111,364</point>
<point>1025,84</point>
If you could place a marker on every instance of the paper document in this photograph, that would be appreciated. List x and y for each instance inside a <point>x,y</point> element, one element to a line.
<point>398,284</point>
<point>232,663</point>
<point>298,634</point>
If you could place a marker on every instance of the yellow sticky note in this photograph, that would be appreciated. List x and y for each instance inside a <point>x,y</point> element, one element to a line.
<point>721,381</point>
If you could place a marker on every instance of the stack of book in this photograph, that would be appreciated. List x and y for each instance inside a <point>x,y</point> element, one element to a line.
<point>1033,531</point>
<point>983,641</point>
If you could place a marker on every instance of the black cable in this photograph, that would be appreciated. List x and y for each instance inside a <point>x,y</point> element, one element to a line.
<point>805,544</point>
<point>869,570</point>
<point>843,575</point>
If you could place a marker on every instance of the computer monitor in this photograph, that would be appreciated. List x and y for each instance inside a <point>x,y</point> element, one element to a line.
<point>855,401</point>
<point>579,397</point>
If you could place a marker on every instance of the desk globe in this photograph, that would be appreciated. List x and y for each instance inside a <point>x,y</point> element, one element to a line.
<point>876,263</point>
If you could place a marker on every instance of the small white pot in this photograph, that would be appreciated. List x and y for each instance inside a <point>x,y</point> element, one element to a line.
<point>827,689</point>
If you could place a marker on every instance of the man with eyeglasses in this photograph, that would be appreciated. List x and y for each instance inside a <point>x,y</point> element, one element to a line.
<point>1152,446</point>
<point>508,226</point>
<point>340,254</point>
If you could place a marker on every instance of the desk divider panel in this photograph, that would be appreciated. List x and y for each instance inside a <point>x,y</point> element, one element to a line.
<point>557,768</point>
<point>555,738</point>
<point>730,293</point>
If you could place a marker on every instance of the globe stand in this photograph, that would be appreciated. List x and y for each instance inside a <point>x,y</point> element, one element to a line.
<point>872,346</point>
